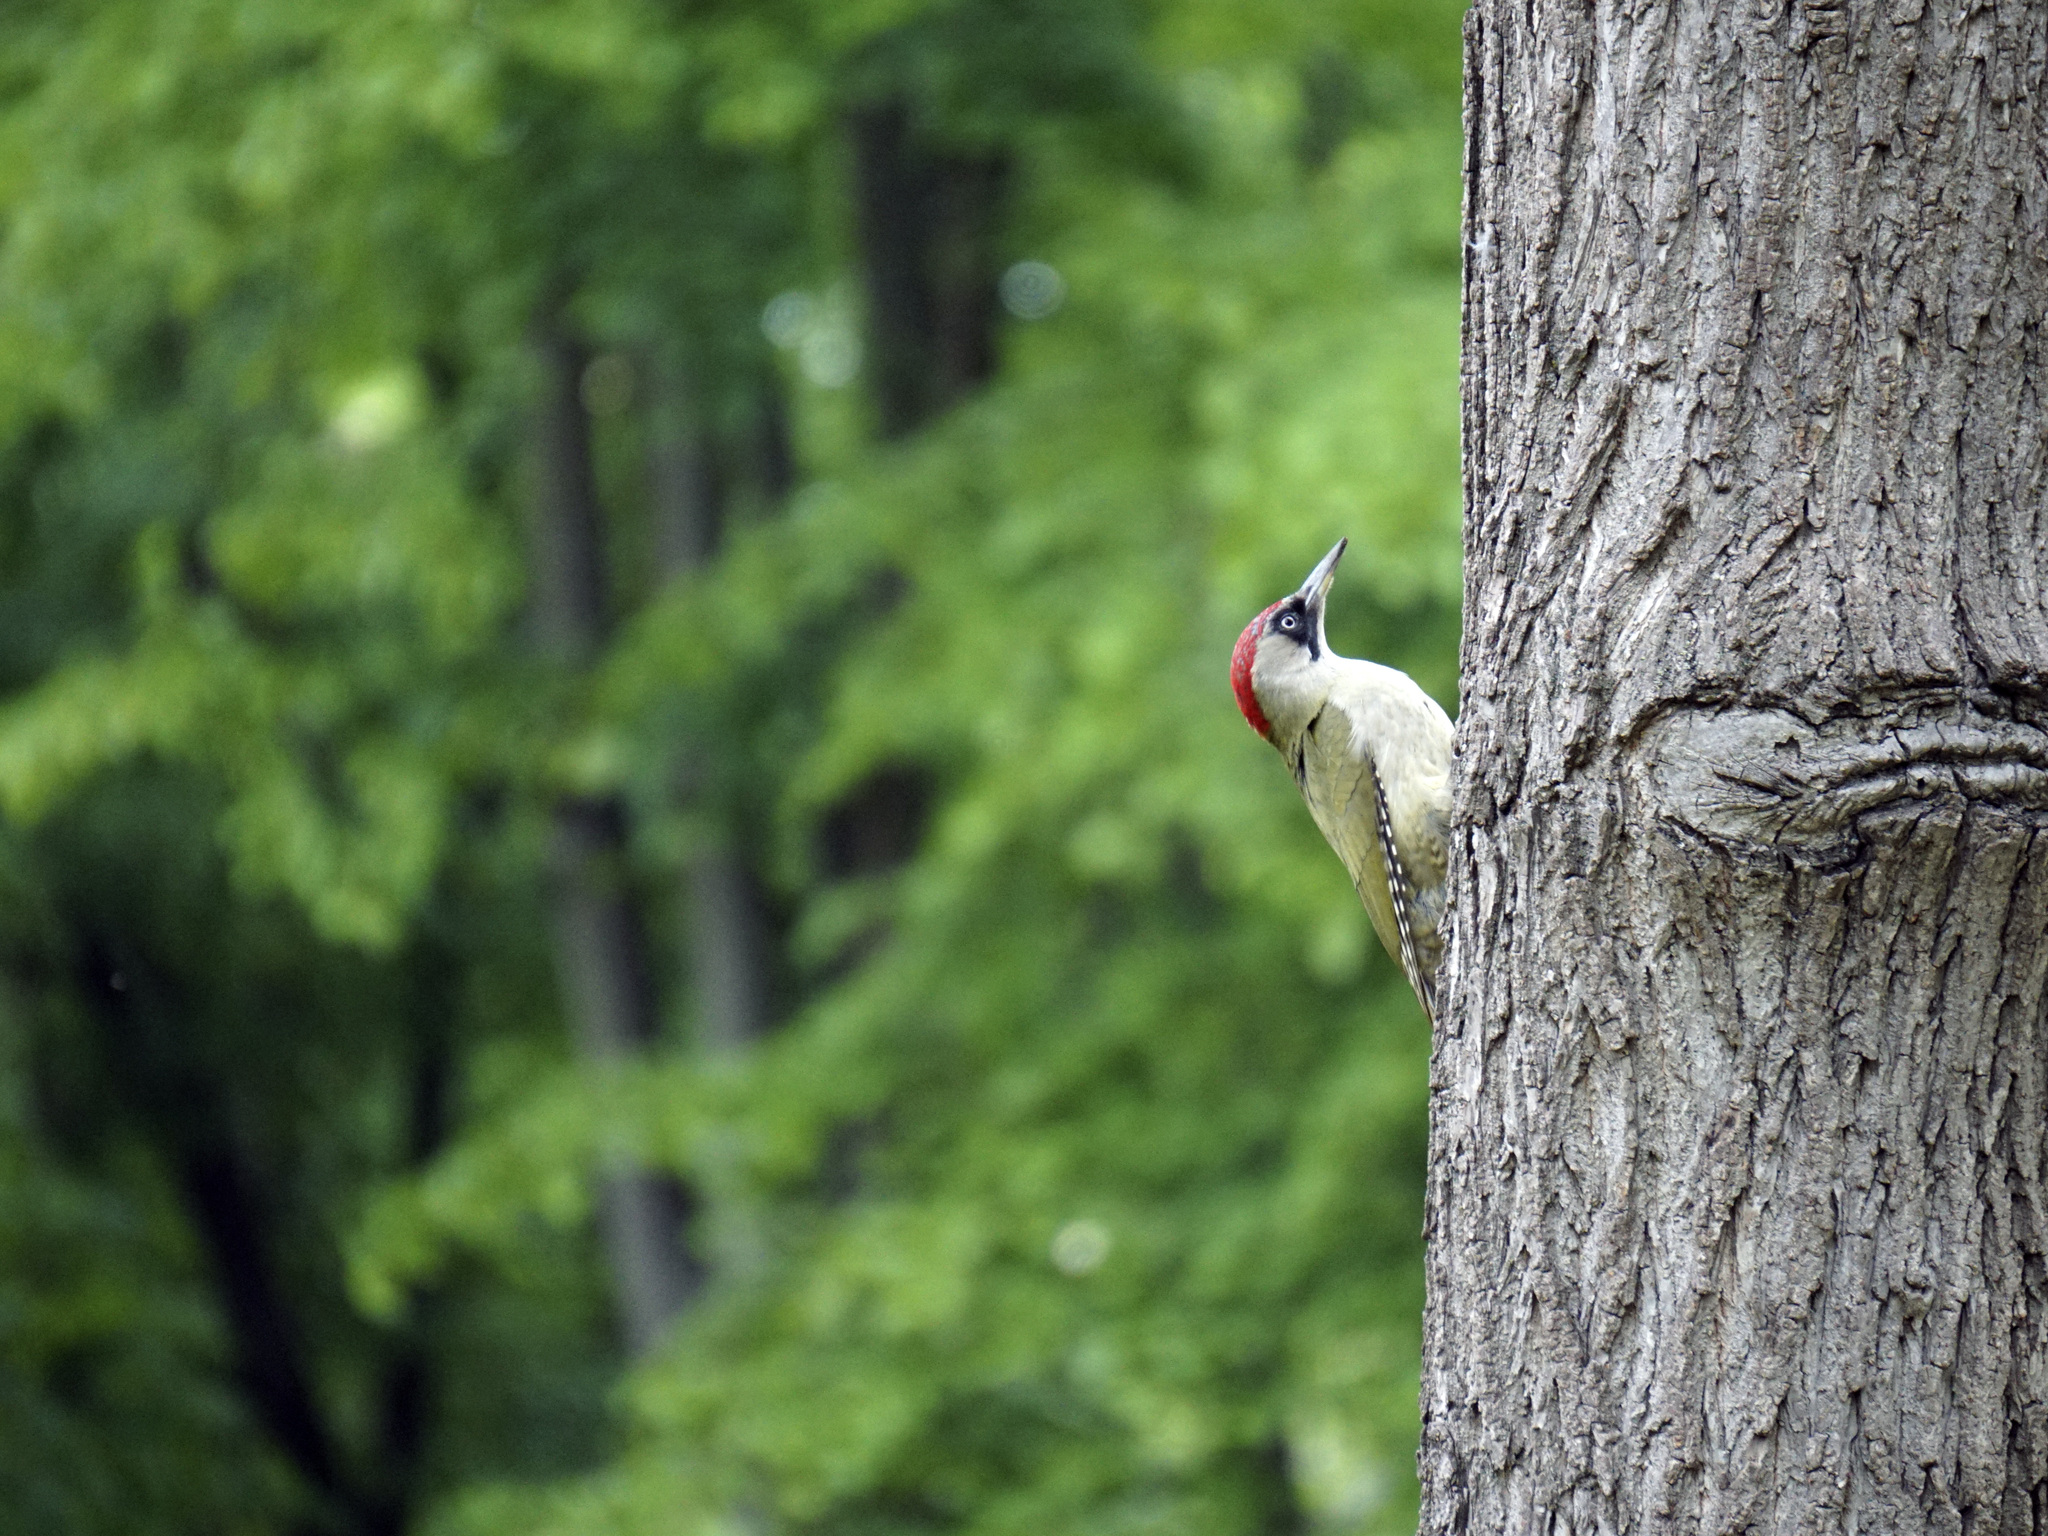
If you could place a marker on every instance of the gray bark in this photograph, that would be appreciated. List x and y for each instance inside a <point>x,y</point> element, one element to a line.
<point>725,939</point>
<point>728,961</point>
<point>723,934</point>
<point>1736,1198</point>
<point>600,958</point>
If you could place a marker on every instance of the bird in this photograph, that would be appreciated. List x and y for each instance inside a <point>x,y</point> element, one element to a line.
<point>1371,754</point>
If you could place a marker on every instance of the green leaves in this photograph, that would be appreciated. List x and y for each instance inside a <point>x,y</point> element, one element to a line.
<point>1078,1187</point>
<point>337,798</point>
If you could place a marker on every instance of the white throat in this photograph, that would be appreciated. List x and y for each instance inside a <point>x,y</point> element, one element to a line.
<point>1291,685</point>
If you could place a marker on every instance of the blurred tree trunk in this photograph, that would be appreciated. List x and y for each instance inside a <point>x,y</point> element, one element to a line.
<point>724,937</point>
<point>1736,1202</point>
<point>146,1024</point>
<point>927,223</point>
<point>600,952</point>
<point>407,1399</point>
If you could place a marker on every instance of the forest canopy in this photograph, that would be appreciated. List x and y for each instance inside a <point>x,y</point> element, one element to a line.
<point>466,468</point>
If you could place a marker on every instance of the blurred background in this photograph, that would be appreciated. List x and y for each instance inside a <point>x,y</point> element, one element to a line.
<point>632,896</point>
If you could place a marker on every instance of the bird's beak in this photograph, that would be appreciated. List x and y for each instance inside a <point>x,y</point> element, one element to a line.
<point>1317,587</point>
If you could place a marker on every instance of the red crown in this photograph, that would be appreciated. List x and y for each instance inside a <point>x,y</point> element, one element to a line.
<point>1241,674</point>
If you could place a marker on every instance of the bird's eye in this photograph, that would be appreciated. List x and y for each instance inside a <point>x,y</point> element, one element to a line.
<point>1289,622</point>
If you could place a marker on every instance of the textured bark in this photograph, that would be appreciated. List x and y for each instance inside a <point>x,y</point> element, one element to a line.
<point>1736,1190</point>
<point>600,955</point>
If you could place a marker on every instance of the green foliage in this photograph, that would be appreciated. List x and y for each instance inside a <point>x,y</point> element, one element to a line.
<point>1080,1187</point>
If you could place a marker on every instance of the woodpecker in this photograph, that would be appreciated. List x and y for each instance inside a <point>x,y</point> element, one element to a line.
<point>1371,753</point>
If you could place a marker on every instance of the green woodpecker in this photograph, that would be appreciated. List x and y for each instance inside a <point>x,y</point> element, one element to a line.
<point>1371,753</point>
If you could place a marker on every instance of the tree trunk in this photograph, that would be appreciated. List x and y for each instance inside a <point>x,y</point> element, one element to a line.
<point>599,946</point>
<point>723,932</point>
<point>927,223</point>
<point>1736,1211</point>
<point>146,1020</point>
<point>725,942</point>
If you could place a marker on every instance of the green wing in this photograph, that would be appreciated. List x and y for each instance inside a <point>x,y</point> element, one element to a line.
<point>1342,786</point>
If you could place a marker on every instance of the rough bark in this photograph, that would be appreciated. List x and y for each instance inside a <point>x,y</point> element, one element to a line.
<point>1736,1191</point>
<point>600,955</point>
